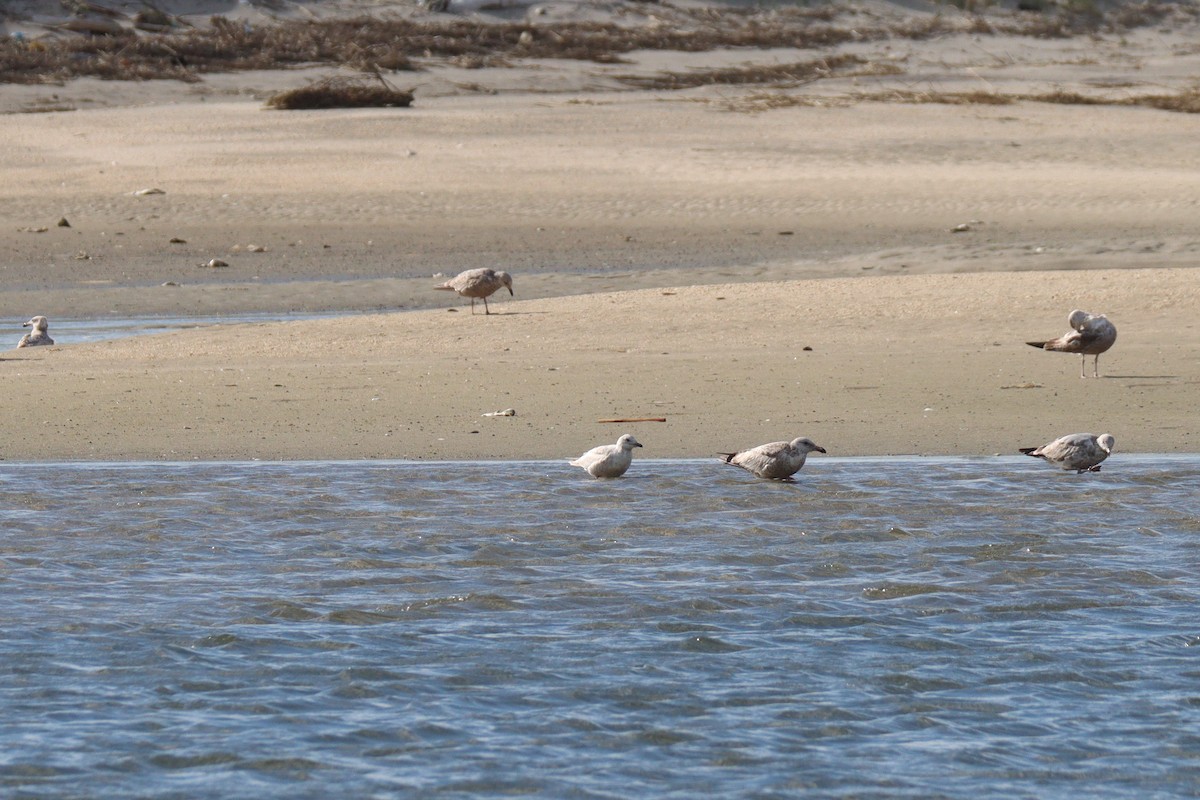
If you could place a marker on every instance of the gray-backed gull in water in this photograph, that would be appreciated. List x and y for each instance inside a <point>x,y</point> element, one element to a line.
<point>776,460</point>
<point>1081,452</point>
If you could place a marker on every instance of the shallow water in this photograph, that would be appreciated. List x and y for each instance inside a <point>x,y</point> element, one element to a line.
<point>80,331</point>
<point>912,628</point>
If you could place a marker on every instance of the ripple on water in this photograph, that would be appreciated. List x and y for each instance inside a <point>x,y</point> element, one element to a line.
<point>880,627</point>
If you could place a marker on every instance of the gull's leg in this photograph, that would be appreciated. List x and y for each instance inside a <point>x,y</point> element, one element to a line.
<point>1096,367</point>
<point>1083,366</point>
<point>485,307</point>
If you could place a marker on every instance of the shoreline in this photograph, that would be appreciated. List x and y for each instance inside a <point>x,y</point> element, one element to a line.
<point>887,373</point>
<point>889,458</point>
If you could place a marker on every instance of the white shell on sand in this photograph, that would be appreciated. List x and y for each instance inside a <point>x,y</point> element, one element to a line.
<point>1081,452</point>
<point>775,460</point>
<point>608,460</point>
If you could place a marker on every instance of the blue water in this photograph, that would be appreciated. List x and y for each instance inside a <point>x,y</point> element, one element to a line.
<point>79,331</point>
<point>883,628</point>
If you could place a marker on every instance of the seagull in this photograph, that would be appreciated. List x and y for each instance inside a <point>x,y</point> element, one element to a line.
<point>608,460</point>
<point>1081,452</point>
<point>36,336</point>
<point>1090,335</point>
<point>478,283</point>
<point>776,460</point>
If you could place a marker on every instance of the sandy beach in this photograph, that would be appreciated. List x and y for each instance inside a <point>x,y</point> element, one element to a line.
<point>862,271</point>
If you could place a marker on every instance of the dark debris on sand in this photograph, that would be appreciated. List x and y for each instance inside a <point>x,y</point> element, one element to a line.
<point>120,48</point>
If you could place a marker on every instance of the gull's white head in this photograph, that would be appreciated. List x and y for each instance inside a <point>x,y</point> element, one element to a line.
<point>627,442</point>
<point>806,445</point>
<point>1077,318</point>
<point>37,323</point>
<point>1106,442</point>
<point>506,279</point>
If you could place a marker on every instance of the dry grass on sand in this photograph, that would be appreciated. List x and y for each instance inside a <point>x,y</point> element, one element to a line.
<point>342,92</point>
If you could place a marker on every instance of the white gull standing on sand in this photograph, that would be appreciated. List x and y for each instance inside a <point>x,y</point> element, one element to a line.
<point>481,283</point>
<point>776,460</point>
<point>608,460</point>
<point>1090,335</point>
<point>38,335</point>
<point>1081,452</point>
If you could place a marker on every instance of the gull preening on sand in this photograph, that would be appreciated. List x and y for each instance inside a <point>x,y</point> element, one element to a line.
<point>481,283</point>
<point>777,460</point>
<point>608,460</point>
<point>36,336</point>
<point>1090,335</point>
<point>1081,452</point>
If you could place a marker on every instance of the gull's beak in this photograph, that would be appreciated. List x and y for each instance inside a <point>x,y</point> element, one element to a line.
<point>820,449</point>
<point>510,291</point>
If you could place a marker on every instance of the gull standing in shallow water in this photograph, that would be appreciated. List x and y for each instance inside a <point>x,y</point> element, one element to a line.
<point>608,460</point>
<point>481,283</point>
<point>1090,335</point>
<point>36,336</point>
<point>776,460</point>
<point>1081,452</point>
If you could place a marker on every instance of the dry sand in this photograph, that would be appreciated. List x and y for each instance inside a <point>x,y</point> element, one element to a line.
<point>673,254</point>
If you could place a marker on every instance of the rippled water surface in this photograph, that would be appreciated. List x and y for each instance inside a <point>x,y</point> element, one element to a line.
<point>912,628</point>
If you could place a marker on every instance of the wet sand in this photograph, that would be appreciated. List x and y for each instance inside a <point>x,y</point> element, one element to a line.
<point>932,364</point>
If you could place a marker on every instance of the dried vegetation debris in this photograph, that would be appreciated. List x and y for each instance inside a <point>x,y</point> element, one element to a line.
<point>791,74</point>
<point>342,92</point>
<point>153,45</point>
<point>1185,102</point>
